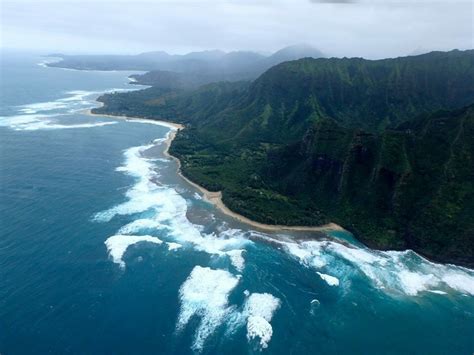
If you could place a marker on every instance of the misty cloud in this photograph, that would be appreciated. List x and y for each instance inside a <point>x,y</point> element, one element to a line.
<point>368,28</point>
<point>332,1</point>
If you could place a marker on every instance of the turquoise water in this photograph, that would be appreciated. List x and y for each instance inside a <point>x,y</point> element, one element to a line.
<point>105,250</point>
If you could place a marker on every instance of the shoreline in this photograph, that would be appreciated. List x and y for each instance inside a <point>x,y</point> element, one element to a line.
<point>215,198</point>
<point>171,125</point>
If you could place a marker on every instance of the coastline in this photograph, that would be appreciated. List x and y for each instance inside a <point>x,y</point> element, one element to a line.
<point>215,198</point>
<point>171,125</point>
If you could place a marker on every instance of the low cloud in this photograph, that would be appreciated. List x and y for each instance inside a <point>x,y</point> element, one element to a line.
<point>332,1</point>
<point>353,28</point>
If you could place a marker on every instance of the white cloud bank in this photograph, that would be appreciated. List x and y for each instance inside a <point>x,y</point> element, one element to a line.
<point>372,29</point>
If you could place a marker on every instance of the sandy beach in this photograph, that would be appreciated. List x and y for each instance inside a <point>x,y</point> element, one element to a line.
<point>172,125</point>
<point>216,197</point>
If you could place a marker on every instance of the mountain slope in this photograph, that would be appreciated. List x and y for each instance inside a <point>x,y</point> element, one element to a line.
<point>384,148</point>
<point>363,93</point>
<point>412,187</point>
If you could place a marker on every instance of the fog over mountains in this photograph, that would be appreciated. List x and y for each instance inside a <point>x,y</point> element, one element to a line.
<point>191,69</point>
<point>372,29</point>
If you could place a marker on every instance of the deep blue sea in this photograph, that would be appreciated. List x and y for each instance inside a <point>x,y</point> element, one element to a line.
<point>104,249</point>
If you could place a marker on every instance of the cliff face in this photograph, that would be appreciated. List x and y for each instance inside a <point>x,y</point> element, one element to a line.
<point>407,188</point>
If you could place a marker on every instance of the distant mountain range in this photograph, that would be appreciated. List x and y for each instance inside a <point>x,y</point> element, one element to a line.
<point>385,148</point>
<point>189,70</point>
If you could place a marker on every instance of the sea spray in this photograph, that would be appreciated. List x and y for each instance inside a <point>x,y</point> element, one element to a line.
<point>205,293</point>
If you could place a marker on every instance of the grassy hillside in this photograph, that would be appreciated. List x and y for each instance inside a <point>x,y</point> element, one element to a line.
<point>174,105</point>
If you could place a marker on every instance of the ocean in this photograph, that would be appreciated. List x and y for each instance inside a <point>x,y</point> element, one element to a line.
<point>105,249</point>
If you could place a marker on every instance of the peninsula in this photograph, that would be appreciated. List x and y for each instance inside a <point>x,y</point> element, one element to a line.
<point>215,197</point>
<point>383,148</point>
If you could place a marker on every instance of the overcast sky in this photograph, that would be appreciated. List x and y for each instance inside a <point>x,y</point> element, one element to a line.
<point>367,28</point>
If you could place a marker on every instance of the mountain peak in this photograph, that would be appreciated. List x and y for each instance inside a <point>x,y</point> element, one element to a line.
<point>296,51</point>
<point>214,54</point>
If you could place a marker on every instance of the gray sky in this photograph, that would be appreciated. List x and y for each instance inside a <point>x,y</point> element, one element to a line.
<point>367,28</point>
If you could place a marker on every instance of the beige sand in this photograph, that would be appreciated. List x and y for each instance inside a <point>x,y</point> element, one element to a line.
<point>216,197</point>
<point>171,125</point>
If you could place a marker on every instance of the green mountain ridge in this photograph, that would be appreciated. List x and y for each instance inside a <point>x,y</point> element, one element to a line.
<point>404,188</point>
<point>384,148</point>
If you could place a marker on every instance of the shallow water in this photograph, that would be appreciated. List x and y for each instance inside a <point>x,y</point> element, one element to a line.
<point>105,249</point>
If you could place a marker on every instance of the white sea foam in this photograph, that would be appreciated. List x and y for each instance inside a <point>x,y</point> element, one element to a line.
<point>314,306</point>
<point>237,259</point>
<point>171,126</point>
<point>330,280</point>
<point>391,271</point>
<point>412,283</point>
<point>258,327</point>
<point>306,254</point>
<point>44,62</point>
<point>141,224</point>
<point>45,115</point>
<point>166,209</point>
<point>42,106</point>
<point>36,122</point>
<point>74,101</point>
<point>256,315</point>
<point>142,196</point>
<point>160,140</point>
<point>173,246</point>
<point>438,292</point>
<point>117,245</point>
<point>394,272</point>
<point>205,294</point>
<point>70,126</point>
<point>259,309</point>
<point>462,282</point>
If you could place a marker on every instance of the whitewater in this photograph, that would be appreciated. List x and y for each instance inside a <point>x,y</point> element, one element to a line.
<point>106,243</point>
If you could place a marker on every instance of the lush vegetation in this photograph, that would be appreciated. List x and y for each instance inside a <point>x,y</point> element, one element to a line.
<point>384,148</point>
<point>174,105</point>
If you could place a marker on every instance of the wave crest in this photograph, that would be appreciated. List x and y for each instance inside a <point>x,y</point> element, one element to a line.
<point>393,272</point>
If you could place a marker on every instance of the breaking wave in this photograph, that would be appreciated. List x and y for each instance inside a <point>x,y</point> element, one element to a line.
<point>73,102</point>
<point>160,209</point>
<point>165,211</point>
<point>44,63</point>
<point>258,310</point>
<point>117,245</point>
<point>334,262</point>
<point>47,115</point>
<point>205,294</point>
<point>36,122</point>
<point>395,272</point>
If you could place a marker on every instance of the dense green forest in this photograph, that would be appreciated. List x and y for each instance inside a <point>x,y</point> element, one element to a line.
<point>384,148</point>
